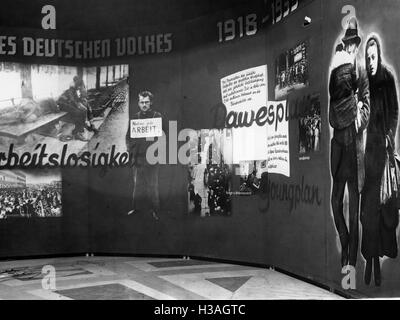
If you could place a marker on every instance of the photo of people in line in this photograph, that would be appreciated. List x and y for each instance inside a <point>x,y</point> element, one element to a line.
<point>209,174</point>
<point>51,104</point>
<point>310,126</point>
<point>363,112</point>
<point>30,194</point>
<point>291,69</point>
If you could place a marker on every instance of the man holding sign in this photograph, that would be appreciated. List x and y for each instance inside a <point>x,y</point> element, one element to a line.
<point>146,123</point>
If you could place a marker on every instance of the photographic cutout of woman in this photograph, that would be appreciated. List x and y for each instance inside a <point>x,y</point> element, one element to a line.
<point>379,222</point>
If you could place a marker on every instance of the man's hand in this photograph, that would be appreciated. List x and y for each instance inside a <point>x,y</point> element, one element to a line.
<point>358,119</point>
<point>389,141</point>
<point>81,106</point>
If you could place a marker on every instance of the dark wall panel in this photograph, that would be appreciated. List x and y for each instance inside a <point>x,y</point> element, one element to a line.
<point>56,235</point>
<point>299,229</point>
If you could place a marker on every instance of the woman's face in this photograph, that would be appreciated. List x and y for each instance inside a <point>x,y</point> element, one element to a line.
<point>372,60</point>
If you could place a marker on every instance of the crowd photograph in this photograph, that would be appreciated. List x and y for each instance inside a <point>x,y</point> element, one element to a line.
<point>310,128</point>
<point>291,70</point>
<point>30,194</point>
<point>210,176</point>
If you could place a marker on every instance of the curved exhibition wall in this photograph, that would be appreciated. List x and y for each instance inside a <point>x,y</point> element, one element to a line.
<point>249,98</point>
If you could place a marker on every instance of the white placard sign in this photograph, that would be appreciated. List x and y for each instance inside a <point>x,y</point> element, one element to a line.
<point>146,128</point>
<point>260,127</point>
<point>278,160</point>
<point>245,92</point>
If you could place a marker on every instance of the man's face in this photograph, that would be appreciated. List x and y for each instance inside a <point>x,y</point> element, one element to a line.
<point>372,60</point>
<point>351,48</point>
<point>144,103</point>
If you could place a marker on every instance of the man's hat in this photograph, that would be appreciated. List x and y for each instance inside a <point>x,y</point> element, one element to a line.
<point>78,81</point>
<point>351,34</point>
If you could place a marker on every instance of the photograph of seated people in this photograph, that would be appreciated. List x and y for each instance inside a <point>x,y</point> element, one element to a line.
<point>47,104</point>
<point>74,101</point>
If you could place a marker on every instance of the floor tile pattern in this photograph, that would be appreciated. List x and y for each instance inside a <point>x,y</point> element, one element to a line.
<point>127,278</point>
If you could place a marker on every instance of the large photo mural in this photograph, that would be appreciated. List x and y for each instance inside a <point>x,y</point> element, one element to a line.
<point>363,116</point>
<point>55,110</point>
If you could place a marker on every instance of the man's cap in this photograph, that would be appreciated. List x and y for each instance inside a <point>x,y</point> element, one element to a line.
<point>78,81</point>
<point>351,34</point>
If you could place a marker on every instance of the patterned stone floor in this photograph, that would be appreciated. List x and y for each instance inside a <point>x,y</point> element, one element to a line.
<point>127,278</point>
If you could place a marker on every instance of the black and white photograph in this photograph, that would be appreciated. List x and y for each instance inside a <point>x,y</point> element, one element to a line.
<point>145,172</point>
<point>363,113</point>
<point>210,173</point>
<point>250,176</point>
<point>30,194</point>
<point>310,126</point>
<point>291,70</point>
<point>55,105</point>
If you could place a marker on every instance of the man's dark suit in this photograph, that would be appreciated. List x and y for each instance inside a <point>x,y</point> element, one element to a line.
<point>145,174</point>
<point>347,155</point>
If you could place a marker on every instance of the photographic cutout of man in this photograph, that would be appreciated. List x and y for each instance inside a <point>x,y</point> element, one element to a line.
<point>349,111</point>
<point>144,174</point>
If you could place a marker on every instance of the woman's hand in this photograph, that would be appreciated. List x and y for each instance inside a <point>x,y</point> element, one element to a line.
<point>389,141</point>
<point>358,119</point>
